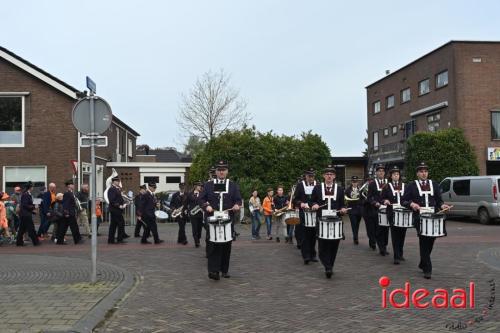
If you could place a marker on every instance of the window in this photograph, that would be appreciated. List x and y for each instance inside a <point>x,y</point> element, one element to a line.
<point>375,140</point>
<point>130,148</point>
<point>376,107</point>
<point>410,128</point>
<point>495,125</point>
<point>405,95</point>
<point>11,121</point>
<point>445,185</point>
<point>386,131</point>
<point>424,87</point>
<point>122,142</point>
<point>18,175</point>
<point>151,179</point>
<point>389,102</point>
<point>433,121</point>
<point>442,79</point>
<point>173,180</point>
<point>394,130</point>
<point>461,187</point>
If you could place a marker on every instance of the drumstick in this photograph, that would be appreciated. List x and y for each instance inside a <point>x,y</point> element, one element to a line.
<point>443,210</point>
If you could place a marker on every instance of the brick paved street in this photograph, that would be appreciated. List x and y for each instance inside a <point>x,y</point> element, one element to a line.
<point>271,290</point>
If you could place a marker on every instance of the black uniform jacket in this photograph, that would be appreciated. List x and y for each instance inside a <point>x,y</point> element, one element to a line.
<point>209,198</point>
<point>317,198</point>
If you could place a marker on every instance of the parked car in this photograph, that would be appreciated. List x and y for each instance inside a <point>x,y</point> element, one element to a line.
<point>473,196</point>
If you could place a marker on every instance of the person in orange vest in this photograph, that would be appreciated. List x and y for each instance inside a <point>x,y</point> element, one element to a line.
<point>4,224</point>
<point>268,206</point>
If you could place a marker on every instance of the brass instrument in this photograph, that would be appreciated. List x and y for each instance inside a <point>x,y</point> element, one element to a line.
<point>354,195</point>
<point>364,190</point>
<point>177,212</point>
<point>281,211</point>
<point>195,210</point>
<point>109,183</point>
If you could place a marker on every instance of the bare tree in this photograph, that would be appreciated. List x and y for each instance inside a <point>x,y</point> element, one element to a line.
<point>212,107</point>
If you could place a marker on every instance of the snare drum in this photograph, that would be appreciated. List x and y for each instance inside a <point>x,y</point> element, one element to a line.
<point>331,228</point>
<point>310,219</point>
<point>382,217</point>
<point>432,225</point>
<point>220,232</point>
<point>292,217</point>
<point>161,215</point>
<point>403,218</point>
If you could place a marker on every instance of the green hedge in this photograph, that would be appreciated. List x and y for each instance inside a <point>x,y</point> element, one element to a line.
<point>447,152</point>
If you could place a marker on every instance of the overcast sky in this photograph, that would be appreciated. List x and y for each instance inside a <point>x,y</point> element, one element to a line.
<point>301,65</point>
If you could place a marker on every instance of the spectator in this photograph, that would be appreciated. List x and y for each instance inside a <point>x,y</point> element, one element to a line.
<point>83,217</point>
<point>57,215</point>
<point>16,201</point>
<point>48,198</point>
<point>4,224</point>
<point>255,208</point>
<point>268,207</point>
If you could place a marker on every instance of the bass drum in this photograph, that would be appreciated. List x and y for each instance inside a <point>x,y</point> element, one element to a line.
<point>292,217</point>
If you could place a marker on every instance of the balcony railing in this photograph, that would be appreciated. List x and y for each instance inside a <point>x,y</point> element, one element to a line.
<point>389,148</point>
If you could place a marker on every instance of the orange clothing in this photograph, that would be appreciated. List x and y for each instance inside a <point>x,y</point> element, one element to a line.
<point>268,206</point>
<point>52,197</point>
<point>98,211</point>
<point>4,224</point>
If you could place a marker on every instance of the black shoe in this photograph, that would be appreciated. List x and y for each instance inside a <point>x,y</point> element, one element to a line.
<point>137,236</point>
<point>213,275</point>
<point>60,244</point>
<point>396,261</point>
<point>373,247</point>
<point>146,242</point>
<point>20,244</point>
<point>159,241</point>
<point>126,236</point>
<point>111,242</point>
<point>420,266</point>
<point>329,274</point>
<point>382,253</point>
<point>81,241</point>
<point>226,275</point>
<point>427,275</point>
<point>277,239</point>
<point>402,259</point>
<point>306,261</point>
<point>184,243</point>
<point>197,245</point>
<point>356,242</point>
<point>314,260</point>
<point>299,246</point>
<point>386,252</point>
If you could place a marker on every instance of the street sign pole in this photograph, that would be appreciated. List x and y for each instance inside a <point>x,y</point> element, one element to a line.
<point>93,175</point>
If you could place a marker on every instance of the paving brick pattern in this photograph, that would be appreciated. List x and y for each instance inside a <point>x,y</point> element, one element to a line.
<point>271,290</point>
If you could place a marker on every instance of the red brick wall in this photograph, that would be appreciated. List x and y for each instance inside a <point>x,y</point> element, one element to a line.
<point>50,138</point>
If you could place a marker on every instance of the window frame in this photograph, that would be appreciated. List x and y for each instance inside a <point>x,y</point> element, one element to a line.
<point>447,79</point>
<point>375,147</point>
<point>144,181</point>
<point>401,95</point>
<point>491,124</point>
<point>394,132</point>
<point>23,121</point>
<point>167,179</point>
<point>387,107</point>
<point>386,130</point>
<point>428,87</point>
<point>5,167</point>
<point>379,107</point>
<point>130,147</point>
<point>466,182</point>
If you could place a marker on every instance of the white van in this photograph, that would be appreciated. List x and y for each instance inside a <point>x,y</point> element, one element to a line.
<point>474,196</point>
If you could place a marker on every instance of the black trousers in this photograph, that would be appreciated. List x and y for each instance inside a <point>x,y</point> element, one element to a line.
<point>355,219</point>
<point>309,243</point>
<point>398,241</point>
<point>426,245</point>
<point>218,256</point>
<point>196,226</point>
<point>117,222</point>
<point>382,235</point>
<point>327,249</point>
<point>150,228</point>
<point>371,223</point>
<point>70,222</point>
<point>299,233</point>
<point>26,225</point>
<point>181,235</point>
<point>138,226</point>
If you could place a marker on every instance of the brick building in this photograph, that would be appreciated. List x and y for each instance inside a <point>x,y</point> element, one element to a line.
<point>37,137</point>
<point>455,85</point>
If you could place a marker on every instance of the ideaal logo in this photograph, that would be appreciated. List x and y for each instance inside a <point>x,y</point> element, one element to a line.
<point>458,298</point>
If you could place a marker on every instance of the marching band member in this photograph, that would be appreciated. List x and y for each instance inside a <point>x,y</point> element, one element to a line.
<point>219,253</point>
<point>392,195</point>
<point>355,202</point>
<point>195,213</point>
<point>280,202</point>
<point>306,236</point>
<point>116,207</point>
<point>179,202</point>
<point>147,215</point>
<point>69,217</point>
<point>26,213</point>
<point>423,194</point>
<point>332,195</point>
<point>138,204</point>
<point>375,198</point>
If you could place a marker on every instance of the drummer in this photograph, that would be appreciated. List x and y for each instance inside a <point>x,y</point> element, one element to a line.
<point>392,195</point>
<point>423,195</point>
<point>328,196</point>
